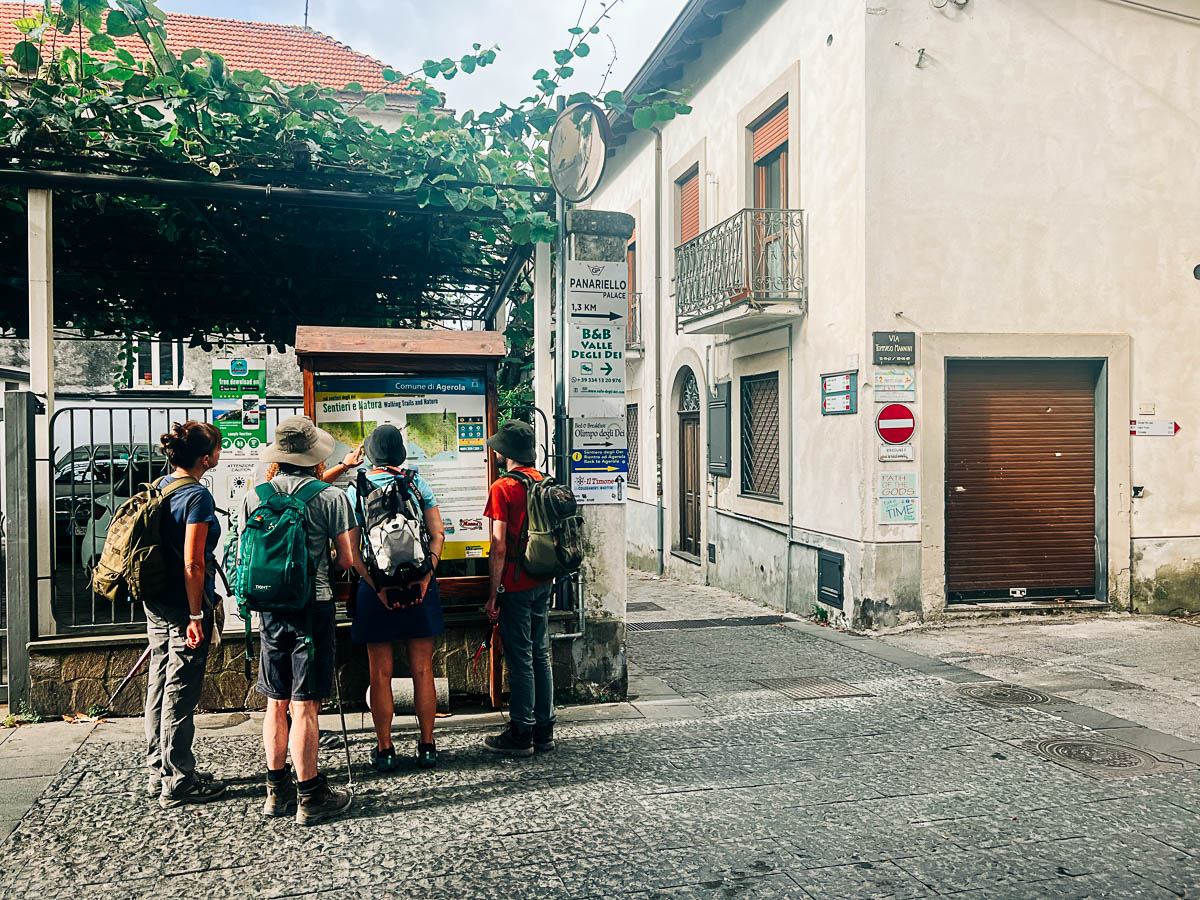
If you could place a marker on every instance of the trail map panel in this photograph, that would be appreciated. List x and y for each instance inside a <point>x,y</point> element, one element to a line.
<point>442,419</point>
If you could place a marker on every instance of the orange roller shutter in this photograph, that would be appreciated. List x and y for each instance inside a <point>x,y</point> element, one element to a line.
<point>689,207</point>
<point>771,133</point>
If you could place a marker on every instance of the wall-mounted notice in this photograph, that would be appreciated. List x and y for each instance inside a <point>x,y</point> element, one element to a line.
<point>895,386</point>
<point>239,398</point>
<point>897,453</point>
<point>839,394</point>
<point>443,422</point>
<point>599,460</point>
<point>899,498</point>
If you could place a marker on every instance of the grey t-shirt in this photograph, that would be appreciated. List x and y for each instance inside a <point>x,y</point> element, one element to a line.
<point>329,514</point>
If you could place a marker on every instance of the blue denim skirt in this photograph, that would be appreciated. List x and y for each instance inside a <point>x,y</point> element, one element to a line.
<point>374,623</point>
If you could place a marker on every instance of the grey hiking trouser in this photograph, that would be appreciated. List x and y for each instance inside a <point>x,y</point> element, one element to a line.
<point>173,685</point>
<point>524,620</point>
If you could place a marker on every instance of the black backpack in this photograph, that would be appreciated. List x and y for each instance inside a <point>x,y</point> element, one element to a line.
<point>395,538</point>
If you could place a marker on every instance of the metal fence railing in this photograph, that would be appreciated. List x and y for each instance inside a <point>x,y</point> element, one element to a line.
<point>101,454</point>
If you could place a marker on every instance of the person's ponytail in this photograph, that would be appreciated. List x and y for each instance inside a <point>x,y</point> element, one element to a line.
<point>188,442</point>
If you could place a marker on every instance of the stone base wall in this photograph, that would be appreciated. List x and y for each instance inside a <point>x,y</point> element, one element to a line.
<point>69,677</point>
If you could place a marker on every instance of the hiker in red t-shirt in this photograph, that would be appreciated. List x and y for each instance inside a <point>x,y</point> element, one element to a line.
<point>520,602</point>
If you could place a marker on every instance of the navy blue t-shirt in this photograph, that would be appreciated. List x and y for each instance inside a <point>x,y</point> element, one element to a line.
<point>187,506</point>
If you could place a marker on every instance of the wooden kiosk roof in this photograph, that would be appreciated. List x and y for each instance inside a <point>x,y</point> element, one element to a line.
<point>409,344</point>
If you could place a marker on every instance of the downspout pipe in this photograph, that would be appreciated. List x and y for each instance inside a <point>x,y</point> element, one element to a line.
<point>658,380</point>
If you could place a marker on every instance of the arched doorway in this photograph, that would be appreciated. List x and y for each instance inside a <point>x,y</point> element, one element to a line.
<point>689,463</point>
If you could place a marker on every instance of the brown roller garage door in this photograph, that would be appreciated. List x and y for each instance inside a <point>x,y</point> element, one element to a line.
<point>1020,479</point>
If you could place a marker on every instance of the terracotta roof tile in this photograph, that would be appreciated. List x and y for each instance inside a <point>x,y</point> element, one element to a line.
<point>289,53</point>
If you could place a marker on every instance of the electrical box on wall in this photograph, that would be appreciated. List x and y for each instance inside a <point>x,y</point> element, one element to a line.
<point>720,425</point>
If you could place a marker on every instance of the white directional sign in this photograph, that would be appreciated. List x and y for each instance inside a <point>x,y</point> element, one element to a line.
<point>1153,427</point>
<point>895,386</point>
<point>597,322</point>
<point>599,460</point>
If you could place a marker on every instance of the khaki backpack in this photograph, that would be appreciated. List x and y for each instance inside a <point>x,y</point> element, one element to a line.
<point>133,564</point>
<point>552,537</point>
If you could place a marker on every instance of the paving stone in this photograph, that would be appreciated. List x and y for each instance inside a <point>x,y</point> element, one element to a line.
<point>714,786</point>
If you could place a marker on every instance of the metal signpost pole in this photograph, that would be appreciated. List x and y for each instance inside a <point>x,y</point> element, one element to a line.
<point>561,469</point>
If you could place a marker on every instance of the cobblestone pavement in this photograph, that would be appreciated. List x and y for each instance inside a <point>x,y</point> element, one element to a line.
<point>709,785</point>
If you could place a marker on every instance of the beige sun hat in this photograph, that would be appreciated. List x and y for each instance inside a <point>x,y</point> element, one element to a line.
<point>298,442</point>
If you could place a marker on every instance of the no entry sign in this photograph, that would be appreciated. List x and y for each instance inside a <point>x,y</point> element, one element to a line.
<point>895,424</point>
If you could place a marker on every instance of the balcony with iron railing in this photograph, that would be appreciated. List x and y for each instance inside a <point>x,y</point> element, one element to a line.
<point>747,272</point>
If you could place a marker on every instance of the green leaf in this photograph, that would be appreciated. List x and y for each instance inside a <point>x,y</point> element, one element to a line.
<point>562,56</point>
<point>124,56</point>
<point>565,71</point>
<point>468,64</point>
<point>431,68</point>
<point>644,117</point>
<point>391,75</point>
<point>26,56</point>
<point>375,102</point>
<point>353,87</point>
<point>521,233</point>
<point>171,135</point>
<point>583,49</point>
<point>575,30</point>
<point>118,24</point>
<point>189,56</point>
<point>101,43</point>
<point>27,24</point>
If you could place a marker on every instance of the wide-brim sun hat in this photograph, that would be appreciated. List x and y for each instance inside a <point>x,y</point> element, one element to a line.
<point>515,440</point>
<point>298,442</point>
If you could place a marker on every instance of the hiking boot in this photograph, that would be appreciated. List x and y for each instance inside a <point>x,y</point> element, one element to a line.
<point>321,802</point>
<point>426,756</point>
<point>199,789</point>
<point>543,738</point>
<point>384,760</point>
<point>510,742</point>
<point>281,796</point>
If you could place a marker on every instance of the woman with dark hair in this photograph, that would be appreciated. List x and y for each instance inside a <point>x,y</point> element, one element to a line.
<point>412,615</point>
<point>180,622</point>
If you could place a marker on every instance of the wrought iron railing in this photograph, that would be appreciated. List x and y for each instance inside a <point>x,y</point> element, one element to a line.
<point>756,256</point>
<point>634,337</point>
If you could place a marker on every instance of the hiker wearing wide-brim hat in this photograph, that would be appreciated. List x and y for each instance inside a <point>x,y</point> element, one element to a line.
<point>296,652</point>
<point>413,614</point>
<point>515,440</point>
<point>517,601</point>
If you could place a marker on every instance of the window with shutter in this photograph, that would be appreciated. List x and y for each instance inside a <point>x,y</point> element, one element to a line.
<point>689,206</point>
<point>760,436</point>
<point>631,437</point>
<point>770,133</point>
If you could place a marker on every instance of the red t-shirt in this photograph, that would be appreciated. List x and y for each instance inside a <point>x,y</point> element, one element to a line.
<point>506,503</point>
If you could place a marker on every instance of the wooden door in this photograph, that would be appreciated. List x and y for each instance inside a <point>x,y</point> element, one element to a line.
<point>689,483</point>
<point>1020,480</point>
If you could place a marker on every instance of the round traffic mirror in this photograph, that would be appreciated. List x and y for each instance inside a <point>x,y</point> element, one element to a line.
<point>579,151</point>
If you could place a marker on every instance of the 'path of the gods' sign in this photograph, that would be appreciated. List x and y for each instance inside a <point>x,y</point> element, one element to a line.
<point>597,323</point>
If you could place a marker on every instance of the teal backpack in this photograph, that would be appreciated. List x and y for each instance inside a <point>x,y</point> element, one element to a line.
<point>275,572</point>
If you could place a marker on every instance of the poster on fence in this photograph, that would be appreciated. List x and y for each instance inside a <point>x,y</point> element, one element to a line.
<point>442,419</point>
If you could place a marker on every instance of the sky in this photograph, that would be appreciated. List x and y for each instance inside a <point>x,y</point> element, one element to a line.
<point>404,34</point>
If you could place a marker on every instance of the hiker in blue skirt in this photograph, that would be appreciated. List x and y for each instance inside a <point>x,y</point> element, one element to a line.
<point>413,613</point>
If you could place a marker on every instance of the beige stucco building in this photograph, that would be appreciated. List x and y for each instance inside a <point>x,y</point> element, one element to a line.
<point>1011,182</point>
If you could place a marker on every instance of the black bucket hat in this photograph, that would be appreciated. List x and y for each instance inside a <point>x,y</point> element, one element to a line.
<point>385,446</point>
<point>515,440</point>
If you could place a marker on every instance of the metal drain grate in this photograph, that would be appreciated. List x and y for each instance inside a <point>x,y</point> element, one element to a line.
<point>1102,759</point>
<point>644,607</point>
<point>682,624</point>
<point>812,687</point>
<point>1000,695</point>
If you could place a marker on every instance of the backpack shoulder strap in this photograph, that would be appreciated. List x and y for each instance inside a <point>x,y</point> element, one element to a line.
<point>519,477</point>
<point>310,490</point>
<point>265,491</point>
<point>186,481</point>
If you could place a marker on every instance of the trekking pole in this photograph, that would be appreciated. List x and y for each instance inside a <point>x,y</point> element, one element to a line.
<point>337,693</point>
<point>128,678</point>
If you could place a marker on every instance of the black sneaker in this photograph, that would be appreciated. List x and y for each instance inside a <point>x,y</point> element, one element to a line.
<point>510,742</point>
<point>321,802</point>
<point>154,783</point>
<point>281,796</point>
<point>199,790</point>
<point>384,760</point>
<point>543,738</point>
<point>426,756</point>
